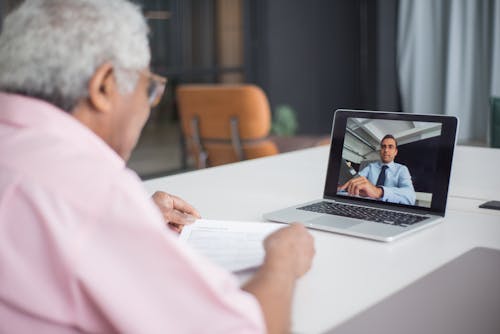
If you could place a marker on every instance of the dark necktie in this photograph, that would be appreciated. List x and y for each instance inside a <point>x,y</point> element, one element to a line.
<point>381,176</point>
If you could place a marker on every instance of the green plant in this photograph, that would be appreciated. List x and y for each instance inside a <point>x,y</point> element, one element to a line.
<point>284,121</point>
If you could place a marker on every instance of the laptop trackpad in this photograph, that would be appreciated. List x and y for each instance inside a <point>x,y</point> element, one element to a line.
<point>334,221</point>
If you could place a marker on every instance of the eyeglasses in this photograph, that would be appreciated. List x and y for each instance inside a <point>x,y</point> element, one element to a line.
<point>156,88</point>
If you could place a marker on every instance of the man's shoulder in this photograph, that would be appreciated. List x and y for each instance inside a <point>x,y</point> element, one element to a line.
<point>374,164</point>
<point>75,175</point>
<point>401,169</point>
<point>399,166</point>
<point>81,174</point>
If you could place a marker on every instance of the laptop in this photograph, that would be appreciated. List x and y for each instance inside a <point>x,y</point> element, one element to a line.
<point>357,201</point>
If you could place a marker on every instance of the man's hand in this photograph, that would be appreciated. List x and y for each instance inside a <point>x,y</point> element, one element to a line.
<point>289,254</point>
<point>290,250</point>
<point>360,186</point>
<point>175,210</point>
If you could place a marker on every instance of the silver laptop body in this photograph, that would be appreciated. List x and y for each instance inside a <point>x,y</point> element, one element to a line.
<point>425,145</point>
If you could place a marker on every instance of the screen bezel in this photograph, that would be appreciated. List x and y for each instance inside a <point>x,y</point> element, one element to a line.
<point>443,165</point>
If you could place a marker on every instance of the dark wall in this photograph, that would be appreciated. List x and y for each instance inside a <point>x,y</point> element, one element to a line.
<point>420,157</point>
<point>313,59</point>
<point>388,97</point>
<point>320,55</point>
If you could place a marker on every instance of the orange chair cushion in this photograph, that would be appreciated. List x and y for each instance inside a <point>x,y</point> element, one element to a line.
<point>215,105</point>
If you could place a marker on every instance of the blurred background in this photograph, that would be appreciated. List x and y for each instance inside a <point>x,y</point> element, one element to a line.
<point>314,56</point>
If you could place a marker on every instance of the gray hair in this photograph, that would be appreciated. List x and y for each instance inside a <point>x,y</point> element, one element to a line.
<point>49,49</point>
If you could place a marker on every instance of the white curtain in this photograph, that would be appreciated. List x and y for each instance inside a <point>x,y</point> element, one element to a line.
<point>449,60</point>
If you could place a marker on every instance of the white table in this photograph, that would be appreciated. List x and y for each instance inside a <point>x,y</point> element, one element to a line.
<point>348,274</point>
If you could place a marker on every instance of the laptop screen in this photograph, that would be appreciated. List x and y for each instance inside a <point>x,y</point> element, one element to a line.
<point>391,158</point>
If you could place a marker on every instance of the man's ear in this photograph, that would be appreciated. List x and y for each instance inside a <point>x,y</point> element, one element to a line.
<point>102,88</point>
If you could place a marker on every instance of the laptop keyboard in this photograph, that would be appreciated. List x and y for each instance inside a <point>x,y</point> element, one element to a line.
<point>365,213</point>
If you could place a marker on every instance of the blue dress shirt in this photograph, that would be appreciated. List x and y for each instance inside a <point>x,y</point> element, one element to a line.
<point>398,187</point>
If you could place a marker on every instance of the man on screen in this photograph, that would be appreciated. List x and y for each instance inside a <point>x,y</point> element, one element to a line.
<point>384,180</point>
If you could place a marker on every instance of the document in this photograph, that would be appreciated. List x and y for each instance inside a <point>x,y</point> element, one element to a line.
<point>234,245</point>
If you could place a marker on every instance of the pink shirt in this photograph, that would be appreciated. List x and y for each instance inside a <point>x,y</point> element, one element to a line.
<point>83,248</point>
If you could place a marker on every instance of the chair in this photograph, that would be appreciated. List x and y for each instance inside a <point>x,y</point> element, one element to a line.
<point>225,123</point>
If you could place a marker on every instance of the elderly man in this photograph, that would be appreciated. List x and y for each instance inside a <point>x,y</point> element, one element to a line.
<point>384,180</point>
<point>82,246</point>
